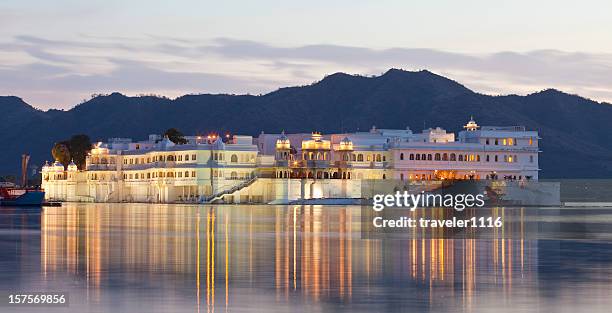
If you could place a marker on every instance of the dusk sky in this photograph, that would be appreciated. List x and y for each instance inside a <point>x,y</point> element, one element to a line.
<point>53,54</point>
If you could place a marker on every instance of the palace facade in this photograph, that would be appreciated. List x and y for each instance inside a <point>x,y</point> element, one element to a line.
<point>279,168</point>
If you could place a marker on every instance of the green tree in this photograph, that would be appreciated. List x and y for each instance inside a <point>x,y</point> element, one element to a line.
<point>61,152</point>
<point>175,136</point>
<point>79,146</point>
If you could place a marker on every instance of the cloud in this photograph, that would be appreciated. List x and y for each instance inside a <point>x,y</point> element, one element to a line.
<point>58,73</point>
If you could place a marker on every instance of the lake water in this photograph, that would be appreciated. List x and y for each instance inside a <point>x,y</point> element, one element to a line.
<point>181,258</point>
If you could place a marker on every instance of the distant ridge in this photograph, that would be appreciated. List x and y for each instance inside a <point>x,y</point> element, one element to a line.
<point>576,132</point>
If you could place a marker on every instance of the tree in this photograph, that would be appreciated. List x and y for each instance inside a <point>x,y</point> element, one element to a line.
<point>79,146</point>
<point>61,152</point>
<point>175,136</point>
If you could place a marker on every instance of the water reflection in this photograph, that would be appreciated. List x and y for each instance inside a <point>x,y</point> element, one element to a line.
<point>274,258</point>
<point>171,258</point>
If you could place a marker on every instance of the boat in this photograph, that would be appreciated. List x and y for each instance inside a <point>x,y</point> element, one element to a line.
<point>16,196</point>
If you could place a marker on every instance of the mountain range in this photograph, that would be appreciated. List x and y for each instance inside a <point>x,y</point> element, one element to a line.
<point>576,132</point>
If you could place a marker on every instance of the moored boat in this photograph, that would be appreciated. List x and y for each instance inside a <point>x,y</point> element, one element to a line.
<point>15,196</point>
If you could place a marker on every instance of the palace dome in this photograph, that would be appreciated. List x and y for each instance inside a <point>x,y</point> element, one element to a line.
<point>346,144</point>
<point>46,167</point>
<point>72,167</point>
<point>283,142</point>
<point>57,166</point>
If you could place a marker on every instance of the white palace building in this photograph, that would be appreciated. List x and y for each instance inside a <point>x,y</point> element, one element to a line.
<point>280,168</point>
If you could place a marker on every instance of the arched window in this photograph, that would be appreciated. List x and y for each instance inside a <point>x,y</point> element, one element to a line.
<point>401,176</point>
<point>378,158</point>
<point>424,157</point>
<point>412,156</point>
<point>437,157</point>
<point>234,158</point>
<point>353,157</point>
<point>461,158</point>
<point>453,157</point>
<point>429,157</point>
<point>401,156</point>
<point>418,157</point>
<point>360,158</point>
<point>445,157</point>
<point>233,175</point>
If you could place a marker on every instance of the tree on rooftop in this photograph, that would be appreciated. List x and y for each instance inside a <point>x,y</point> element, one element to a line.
<point>175,136</point>
<point>61,152</point>
<point>79,146</point>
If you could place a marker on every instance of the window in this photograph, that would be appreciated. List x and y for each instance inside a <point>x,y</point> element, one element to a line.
<point>192,173</point>
<point>445,157</point>
<point>186,174</point>
<point>461,157</point>
<point>453,157</point>
<point>429,157</point>
<point>186,157</point>
<point>487,141</point>
<point>496,141</point>
<point>487,158</point>
<point>531,141</point>
<point>368,158</point>
<point>193,157</point>
<point>412,156</point>
<point>531,159</point>
<point>402,157</point>
<point>504,142</point>
<point>496,159</point>
<point>360,157</point>
<point>234,158</point>
<point>437,157</point>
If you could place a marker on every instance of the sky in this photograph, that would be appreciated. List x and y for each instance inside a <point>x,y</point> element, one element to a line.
<point>55,54</point>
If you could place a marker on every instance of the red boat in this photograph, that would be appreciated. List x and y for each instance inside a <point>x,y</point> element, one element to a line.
<point>13,196</point>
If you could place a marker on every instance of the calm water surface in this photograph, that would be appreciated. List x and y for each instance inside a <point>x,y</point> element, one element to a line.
<point>179,258</point>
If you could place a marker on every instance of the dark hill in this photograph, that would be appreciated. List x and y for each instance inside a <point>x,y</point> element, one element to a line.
<point>576,132</point>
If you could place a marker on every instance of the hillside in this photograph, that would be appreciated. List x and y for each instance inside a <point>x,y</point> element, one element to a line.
<point>576,132</point>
